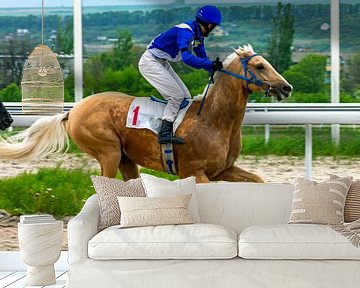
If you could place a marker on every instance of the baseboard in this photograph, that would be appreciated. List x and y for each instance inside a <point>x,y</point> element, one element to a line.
<point>11,260</point>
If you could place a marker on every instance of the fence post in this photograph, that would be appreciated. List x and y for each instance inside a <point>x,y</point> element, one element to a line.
<point>335,63</point>
<point>308,151</point>
<point>78,50</point>
<point>267,130</point>
<point>267,133</point>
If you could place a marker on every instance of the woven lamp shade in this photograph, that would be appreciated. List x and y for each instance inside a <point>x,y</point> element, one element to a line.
<point>42,83</point>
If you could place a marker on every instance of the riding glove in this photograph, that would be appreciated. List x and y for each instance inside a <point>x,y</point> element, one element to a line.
<point>217,64</point>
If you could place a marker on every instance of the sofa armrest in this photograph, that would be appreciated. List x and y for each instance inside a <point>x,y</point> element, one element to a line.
<point>82,228</point>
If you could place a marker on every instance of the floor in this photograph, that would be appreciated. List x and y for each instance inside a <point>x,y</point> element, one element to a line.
<point>16,279</point>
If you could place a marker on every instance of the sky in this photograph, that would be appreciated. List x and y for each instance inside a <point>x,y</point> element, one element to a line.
<point>57,3</point>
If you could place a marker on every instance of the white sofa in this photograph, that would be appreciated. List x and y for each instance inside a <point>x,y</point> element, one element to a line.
<point>245,243</point>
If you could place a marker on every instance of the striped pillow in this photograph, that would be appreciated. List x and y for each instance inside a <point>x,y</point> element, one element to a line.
<point>352,203</point>
<point>320,203</point>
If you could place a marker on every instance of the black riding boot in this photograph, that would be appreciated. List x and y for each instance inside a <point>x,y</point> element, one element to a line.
<point>166,134</point>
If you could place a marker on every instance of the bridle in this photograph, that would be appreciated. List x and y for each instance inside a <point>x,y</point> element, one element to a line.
<point>252,80</point>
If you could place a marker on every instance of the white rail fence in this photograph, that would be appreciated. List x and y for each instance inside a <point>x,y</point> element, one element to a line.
<point>261,114</point>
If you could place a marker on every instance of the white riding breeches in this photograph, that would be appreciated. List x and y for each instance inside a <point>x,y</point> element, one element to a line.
<point>159,73</point>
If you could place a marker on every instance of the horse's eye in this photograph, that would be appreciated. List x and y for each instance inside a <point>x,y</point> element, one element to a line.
<point>259,66</point>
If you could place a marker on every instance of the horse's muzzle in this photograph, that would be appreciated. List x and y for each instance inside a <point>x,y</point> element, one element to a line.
<point>286,90</point>
<point>281,92</point>
<point>6,123</point>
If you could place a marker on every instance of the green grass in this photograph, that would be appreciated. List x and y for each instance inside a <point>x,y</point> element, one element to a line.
<point>56,191</point>
<point>63,192</point>
<point>290,141</point>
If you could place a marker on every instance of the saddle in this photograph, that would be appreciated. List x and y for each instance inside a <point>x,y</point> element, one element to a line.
<point>146,113</point>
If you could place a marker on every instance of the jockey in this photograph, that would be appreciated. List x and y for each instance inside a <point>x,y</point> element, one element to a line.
<point>175,45</point>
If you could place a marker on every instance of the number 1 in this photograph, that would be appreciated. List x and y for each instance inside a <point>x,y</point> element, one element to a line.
<point>136,114</point>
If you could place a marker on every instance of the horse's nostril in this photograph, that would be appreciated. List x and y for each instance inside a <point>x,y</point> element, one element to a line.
<point>286,88</point>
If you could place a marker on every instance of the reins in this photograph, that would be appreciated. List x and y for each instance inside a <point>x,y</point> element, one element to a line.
<point>252,80</point>
<point>211,81</point>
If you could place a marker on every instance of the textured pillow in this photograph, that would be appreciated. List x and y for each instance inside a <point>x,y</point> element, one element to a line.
<point>352,203</point>
<point>319,203</point>
<point>140,211</point>
<point>158,187</point>
<point>107,190</point>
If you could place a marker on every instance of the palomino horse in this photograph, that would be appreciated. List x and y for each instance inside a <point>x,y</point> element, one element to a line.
<point>5,117</point>
<point>213,139</point>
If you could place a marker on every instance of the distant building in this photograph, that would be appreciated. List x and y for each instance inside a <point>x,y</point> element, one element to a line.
<point>328,68</point>
<point>21,32</point>
<point>8,38</point>
<point>219,31</point>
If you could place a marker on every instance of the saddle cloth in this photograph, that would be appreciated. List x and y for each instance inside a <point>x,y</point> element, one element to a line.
<point>147,112</point>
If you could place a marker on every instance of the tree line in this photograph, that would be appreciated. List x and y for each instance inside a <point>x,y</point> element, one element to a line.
<point>235,14</point>
<point>116,70</point>
<point>168,16</point>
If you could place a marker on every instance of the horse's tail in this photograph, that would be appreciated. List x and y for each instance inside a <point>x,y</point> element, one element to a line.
<point>46,136</point>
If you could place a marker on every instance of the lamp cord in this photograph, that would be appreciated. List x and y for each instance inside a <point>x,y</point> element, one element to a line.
<point>42,24</point>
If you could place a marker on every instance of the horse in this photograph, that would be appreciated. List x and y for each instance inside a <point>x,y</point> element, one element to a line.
<point>213,140</point>
<point>5,117</point>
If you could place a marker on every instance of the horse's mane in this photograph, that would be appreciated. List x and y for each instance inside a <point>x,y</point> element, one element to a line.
<point>241,52</point>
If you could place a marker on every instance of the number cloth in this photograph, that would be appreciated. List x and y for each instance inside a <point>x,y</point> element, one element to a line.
<point>147,112</point>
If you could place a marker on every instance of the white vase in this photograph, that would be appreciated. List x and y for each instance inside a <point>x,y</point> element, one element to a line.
<point>40,247</point>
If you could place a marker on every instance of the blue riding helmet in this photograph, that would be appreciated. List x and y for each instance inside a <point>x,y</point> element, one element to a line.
<point>208,14</point>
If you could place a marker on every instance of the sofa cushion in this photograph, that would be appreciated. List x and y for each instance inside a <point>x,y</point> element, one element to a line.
<point>192,241</point>
<point>295,241</point>
<point>145,211</point>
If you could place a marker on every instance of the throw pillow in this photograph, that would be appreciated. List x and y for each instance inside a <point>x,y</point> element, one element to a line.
<point>139,211</point>
<point>352,203</point>
<point>107,190</point>
<point>159,187</point>
<point>320,203</point>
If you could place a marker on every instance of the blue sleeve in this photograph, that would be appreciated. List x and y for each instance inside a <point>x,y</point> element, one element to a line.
<point>196,62</point>
<point>184,38</point>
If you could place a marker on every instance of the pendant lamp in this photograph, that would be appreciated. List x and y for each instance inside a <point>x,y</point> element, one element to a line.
<point>42,83</point>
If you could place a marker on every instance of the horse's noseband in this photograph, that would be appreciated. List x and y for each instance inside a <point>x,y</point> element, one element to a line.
<point>253,79</point>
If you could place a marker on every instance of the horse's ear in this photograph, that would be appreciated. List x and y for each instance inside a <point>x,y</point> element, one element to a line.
<point>236,51</point>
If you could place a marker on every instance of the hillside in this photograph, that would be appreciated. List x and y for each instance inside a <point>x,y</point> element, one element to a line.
<point>242,23</point>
